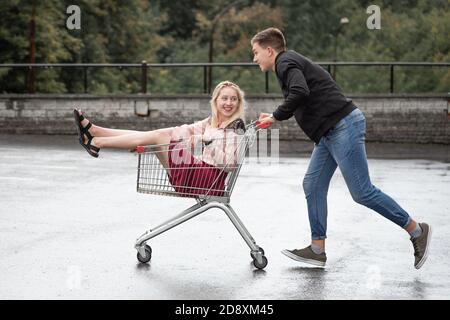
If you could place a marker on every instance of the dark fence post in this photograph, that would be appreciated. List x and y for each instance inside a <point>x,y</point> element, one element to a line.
<point>26,79</point>
<point>205,79</point>
<point>85,79</point>
<point>392,78</point>
<point>31,86</point>
<point>144,77</point>
<point>209,79</point>
<point>448,106</point>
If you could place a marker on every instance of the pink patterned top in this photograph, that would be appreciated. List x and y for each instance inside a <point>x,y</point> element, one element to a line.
<point>221,145</point>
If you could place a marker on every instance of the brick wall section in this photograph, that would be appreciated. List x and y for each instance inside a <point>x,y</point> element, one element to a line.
<point>395,118</point>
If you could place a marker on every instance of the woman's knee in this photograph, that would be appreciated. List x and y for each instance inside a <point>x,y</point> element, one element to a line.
<point>163,131</point>
<point>157,135</point>
<point>162,137</point>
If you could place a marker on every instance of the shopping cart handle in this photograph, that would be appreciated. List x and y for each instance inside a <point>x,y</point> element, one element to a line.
<point>263,125</point>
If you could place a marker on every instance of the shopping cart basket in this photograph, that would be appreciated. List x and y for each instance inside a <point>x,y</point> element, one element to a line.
<point>211,187</point>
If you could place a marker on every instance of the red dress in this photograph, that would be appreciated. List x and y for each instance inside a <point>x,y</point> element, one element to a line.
<point>190,176</point>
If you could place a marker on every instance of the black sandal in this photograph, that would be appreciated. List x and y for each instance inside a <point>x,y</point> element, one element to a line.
<point>84,131</point>
<point>92,150</point>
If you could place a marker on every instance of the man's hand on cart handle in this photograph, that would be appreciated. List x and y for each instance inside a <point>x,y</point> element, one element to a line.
<point>265,120</point>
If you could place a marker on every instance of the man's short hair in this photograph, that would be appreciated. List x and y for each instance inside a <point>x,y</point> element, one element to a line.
<point>270,37</point>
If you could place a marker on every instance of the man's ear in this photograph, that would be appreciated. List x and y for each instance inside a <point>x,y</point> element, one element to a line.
<point>272,51</point>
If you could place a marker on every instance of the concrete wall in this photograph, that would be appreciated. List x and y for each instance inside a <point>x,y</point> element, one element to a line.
<point>394,118</point>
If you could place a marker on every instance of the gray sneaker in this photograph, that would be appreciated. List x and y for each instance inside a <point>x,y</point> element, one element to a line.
<point>306,255</point>
<point>421,245</point>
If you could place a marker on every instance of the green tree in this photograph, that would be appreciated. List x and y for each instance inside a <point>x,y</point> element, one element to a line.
<point>180,31</point>
<point>406,35</point>
<point>117,32</point>
<point>53,43</point>
<point>231,44</point>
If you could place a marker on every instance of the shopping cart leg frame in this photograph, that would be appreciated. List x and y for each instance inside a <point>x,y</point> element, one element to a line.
<point>169,224</point>
<point>200,207</point>
<point>178,216</point>
<point>256,252</point>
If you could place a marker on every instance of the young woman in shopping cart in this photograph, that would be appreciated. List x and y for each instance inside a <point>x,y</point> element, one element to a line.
<point>168,166</point>
<point>219,135</point>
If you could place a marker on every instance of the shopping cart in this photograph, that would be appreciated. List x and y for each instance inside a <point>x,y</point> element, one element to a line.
<point>211,187</point>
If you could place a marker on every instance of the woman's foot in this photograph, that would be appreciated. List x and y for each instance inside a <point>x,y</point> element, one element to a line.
<point>85,137</point>
<point>91,147</point>
<point>86,126</point>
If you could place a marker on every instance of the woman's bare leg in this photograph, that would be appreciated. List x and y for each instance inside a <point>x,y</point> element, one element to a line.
<point>159,136</point>
<point>162,153</point>
<point>144,138</point>
<point>132,140</point>
<point>98,131</point>
<point>105,132</point>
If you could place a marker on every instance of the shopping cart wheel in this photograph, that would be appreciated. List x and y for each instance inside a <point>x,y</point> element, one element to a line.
<point>260,265</point>
<point>148,254</point>
<point>260,250</point>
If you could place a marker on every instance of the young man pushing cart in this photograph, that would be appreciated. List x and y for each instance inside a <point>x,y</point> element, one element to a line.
<point>338,129</point>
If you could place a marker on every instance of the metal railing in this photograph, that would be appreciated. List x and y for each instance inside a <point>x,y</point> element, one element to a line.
<point>146,68</point>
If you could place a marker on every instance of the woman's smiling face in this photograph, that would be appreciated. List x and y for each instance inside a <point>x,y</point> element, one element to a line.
<point>227,103</point>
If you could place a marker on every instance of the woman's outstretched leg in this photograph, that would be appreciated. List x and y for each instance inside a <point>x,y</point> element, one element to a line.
<point>98,131</point>
<point>132,140</point>
<point>129,139</point>
<point>139,138</point>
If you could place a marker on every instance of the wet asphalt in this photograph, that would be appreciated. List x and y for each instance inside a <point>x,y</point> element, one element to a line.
<point>68,223</point>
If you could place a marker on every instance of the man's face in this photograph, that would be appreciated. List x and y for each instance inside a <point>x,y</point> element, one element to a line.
<point>263,56</point>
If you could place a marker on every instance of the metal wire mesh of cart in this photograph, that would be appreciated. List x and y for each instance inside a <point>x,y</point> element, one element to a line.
<point>186,174</point>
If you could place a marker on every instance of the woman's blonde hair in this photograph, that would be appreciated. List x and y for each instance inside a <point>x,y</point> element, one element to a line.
<point>240,112</point>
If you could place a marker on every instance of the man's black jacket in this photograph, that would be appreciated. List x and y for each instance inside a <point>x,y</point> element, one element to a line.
<point>310,94</point>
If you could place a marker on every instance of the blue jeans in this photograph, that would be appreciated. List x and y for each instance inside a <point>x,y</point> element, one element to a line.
<point>343,146</point>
